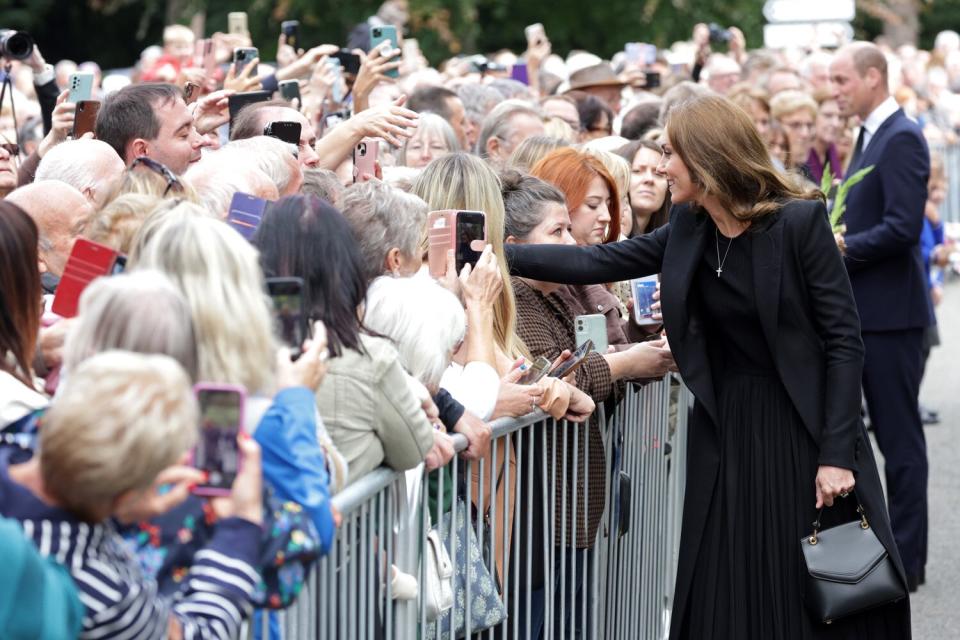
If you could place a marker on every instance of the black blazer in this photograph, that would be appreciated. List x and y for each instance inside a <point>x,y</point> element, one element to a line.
<point>884,218</point>
<point>809,320</point>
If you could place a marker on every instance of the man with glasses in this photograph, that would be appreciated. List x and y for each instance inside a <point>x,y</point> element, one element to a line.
<point>150,120</point>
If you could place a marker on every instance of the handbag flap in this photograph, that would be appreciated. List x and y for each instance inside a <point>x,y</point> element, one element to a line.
<point>846,553</point>
<point>440,557</point>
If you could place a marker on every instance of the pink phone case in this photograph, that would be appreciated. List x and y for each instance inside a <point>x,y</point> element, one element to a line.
<point>441,232</point>
<point>202,490</point>
<point>365,158</point>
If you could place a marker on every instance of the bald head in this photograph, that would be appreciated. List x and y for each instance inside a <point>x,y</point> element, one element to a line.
<point>90,166</point>
<point>60,212</point>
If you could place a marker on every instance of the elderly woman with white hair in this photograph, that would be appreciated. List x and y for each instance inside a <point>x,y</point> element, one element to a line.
<point>433,138</point>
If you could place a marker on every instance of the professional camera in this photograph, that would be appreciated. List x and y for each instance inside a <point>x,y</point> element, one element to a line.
<point>15,45</point>
<point>719,35</point>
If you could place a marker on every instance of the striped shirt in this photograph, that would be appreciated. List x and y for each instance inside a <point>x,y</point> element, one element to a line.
<point>120,603</point>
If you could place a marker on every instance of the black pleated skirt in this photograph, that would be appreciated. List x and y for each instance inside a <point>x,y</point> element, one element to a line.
<point>747,584</point>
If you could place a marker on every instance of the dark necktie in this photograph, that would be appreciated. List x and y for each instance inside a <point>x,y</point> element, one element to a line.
<point>858,148</point>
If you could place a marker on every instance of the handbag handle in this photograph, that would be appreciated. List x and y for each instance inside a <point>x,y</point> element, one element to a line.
<point>864,524</point>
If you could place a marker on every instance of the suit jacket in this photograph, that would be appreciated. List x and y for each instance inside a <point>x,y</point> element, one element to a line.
<point>884,218</point>
<point>809,320</point>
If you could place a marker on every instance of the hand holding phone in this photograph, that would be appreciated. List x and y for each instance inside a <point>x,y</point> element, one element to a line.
<point>365,158</point>
<point>291,31</point>
<point>571,364</point>
<point>243,57</point>
<point>386,33</point>
<point>218,453</point>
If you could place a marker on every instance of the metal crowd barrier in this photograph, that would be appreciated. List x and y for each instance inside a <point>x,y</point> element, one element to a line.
<point>950,209</point>
<point>521,522</point>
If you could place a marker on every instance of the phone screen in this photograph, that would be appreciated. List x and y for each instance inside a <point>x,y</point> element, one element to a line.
<point>470,228</point>
<point>570,365</point>
<point>217,452</point>
<point>287,297</point>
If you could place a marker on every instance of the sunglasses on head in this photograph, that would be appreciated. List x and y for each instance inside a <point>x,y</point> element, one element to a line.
<point>162,170</point>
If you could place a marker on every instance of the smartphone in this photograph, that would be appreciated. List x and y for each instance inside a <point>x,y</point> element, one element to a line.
<point>643,290</point>
<point>471,237</point>
<point>286,294</point>
<point>238,101</point>
<point>440,228</point>
<point>291,29</point>
<point>519,73</point>
<point>243,56</point>
<point>386,33</point>
<point>336,89</point>
<point>246,212</point>
<point>652,80</point>
<point>535,33</point>
<point>237,23</point>
<point>217,451</point>
<point>539,369</point>
<point>85,120</point>
<point>623,517</point>
<point>592,327</point>
<point>290,91</point>
<point>88,261</point>
<point>365,158</point>
<point>208,58</point>
<point>287,131</point>
<point>349,61</point>
<point>81,86</point>
<point>572,363</point>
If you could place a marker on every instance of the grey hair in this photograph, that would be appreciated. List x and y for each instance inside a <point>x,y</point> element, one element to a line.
<point>497,122</point>
<point>523,200</point>
<point>478,100</point>
<point>324,184</point>
<point>71,162</point>
<point>431,123</point>
<point>424,320</point>
<point>681,92</point>
<point>383,218</point>
<point>141,311</point>
<point>276,158</point>
<point>220,176</point>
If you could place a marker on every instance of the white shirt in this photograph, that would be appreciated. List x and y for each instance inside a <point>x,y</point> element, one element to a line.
<point>876,118</point>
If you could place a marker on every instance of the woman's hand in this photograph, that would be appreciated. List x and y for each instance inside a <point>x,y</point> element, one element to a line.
<point>580,407</point>
<point>178,480</point>
<point>513,399</point>
<point>310,368</point>
<point>833,482</point>
<point>246,496</point>
<point>243,82</point>
<point>482,284</point>
<point>441,453</point>
<point>478,435</point>
<point>651,359</point>
<point>373,70</point>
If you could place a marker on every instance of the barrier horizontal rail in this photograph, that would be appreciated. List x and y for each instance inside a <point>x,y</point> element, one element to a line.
<point>532,506</point>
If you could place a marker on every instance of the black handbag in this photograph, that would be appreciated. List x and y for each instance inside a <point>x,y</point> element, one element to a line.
<point>848,570</point>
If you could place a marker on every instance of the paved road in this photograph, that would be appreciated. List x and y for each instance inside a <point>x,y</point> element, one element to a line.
<point>936,607</point>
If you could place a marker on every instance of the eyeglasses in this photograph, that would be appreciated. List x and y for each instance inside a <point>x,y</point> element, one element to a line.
<point>799,126</point>
<point>163,170</point>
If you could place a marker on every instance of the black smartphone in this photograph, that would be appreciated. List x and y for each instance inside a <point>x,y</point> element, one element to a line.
<point>221,420</point>
<point>349,61</point>
<point>572,363</point>
<point>290,91</point>
<point>243,56</point>
<point>287,131</point>
<point>288,312</point>
<point>652,80</point>
<point>238,101</point>
<point>291,29</point>
<point>471,236</point>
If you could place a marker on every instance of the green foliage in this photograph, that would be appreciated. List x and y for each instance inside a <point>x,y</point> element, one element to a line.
<point>840,200</point>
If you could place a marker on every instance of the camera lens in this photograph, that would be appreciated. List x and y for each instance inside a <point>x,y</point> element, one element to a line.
<point>16,45</point>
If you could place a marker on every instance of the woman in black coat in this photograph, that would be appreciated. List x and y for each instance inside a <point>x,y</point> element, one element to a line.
<point>761,319</point>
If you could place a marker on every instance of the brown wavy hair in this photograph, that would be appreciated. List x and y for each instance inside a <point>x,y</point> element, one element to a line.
<point>20,291</point>
<point>728,160</point>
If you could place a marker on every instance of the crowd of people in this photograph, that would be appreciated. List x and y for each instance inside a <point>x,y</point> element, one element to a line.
<point>589,173</point>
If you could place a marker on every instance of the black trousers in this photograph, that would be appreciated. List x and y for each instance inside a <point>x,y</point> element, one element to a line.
<point>892,371</point>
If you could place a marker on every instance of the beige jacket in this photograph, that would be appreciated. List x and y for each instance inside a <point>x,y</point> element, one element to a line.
<point>370,411</point>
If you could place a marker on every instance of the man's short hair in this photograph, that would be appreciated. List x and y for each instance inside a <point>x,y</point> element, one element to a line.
<point>640,119</point>
<point>433,99</point>
<point>247,123</point>
<point>131,113</point>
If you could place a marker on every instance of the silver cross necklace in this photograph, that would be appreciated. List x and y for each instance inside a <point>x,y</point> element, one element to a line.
<point>725,253</point>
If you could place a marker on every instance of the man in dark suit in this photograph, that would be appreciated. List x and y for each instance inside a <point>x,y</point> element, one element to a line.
<point>884,219</point>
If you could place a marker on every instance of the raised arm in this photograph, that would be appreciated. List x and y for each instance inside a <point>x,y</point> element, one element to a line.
<point>633,258</point>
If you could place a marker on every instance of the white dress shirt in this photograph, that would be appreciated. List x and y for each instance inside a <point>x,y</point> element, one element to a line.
<point>876,118</point>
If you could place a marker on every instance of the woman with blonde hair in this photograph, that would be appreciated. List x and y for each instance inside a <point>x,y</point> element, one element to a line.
<point>796,113</point>
<point>117,224</point>
<point>530,151</point>
<point>764,329</point>
<point>433,138</point>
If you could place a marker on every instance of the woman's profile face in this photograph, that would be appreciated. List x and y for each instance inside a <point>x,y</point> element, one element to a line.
<point>648,190</point>
<point>554,227</point>
<point>591,219</point>
<point>674,170</point>
<point>424,147</point>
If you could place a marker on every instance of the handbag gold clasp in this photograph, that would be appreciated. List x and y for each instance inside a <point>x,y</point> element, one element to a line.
<point>863,518</point>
